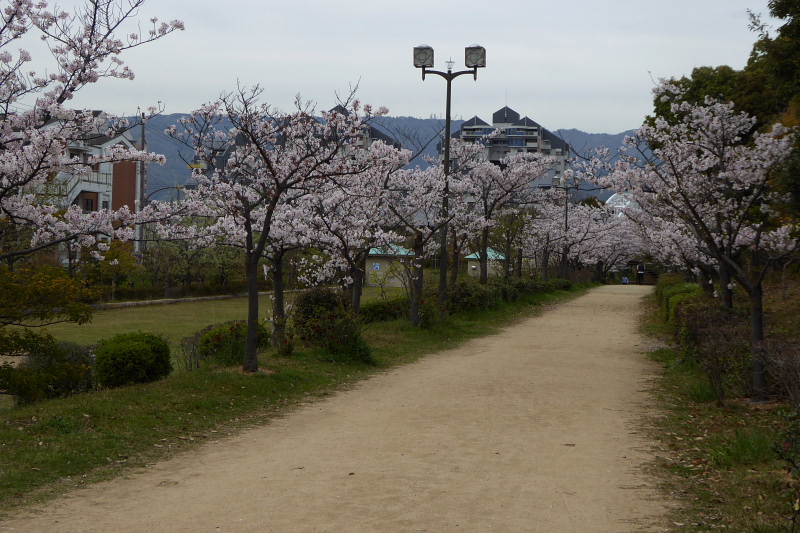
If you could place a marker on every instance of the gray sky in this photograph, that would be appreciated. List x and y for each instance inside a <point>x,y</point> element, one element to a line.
<point>586,64</point>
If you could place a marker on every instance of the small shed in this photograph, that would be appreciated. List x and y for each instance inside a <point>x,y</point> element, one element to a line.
<point>496,263</point>
<point>385,265</point>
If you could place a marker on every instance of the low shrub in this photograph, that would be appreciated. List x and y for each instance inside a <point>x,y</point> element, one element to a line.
<point>223,344</point>
<point>130,358</point>
<point>665,281</point>
<point>674,295</point>
<point>323,318</point>
<point>49,369</point>
<point>526,285</point>
<point>472,296</point>
<point>383,310</point>
<point>782,358</point>
<point>715,338</point>
<point>507,291</point>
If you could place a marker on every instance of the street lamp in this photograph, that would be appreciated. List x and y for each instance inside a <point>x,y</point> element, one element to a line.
<point>474,58</point>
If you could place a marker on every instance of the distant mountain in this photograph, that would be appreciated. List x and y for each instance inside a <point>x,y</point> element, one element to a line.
<point>420,135</point>
<point>584,143</point>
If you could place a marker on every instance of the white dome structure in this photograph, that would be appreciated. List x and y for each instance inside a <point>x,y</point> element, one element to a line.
<point>620,201</point>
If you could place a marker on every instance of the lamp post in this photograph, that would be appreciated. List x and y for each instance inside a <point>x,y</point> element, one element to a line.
<point>474,58</point>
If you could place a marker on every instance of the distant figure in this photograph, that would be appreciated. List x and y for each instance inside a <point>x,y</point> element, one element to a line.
<point>624,280</point>
<point>640,274</point>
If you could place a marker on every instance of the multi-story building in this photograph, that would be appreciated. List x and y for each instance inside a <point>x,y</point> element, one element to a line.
<point>517,135</point>
<point>110,185</point>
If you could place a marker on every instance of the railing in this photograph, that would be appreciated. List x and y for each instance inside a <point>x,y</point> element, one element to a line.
<point>74,181</point>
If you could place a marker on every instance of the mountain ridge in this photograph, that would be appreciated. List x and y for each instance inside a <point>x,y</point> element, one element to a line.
<point>420,135</point>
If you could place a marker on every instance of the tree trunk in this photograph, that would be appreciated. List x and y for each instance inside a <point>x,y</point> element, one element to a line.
<point>455,261</point>
<point>250,362</point>
<point>519,263</point>
<point>545,264</point>
<point>564,269</point>
<point>279,340</point>
<point>484,256</point>
<point>357,273</point>
<point>706,281</point>
<point>507,251</point>
<point>415,311</point>
<point>726,289</point>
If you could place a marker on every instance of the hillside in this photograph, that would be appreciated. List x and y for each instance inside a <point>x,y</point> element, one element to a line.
<point>417,134</point>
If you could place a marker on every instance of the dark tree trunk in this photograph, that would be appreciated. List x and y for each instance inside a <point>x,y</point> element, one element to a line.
<point>563,271</point>
<point>706,281</point>
<point>507,266</point>
<point>726,289</point>
<point>519,263</point>
<point>250,362</point>
<point>357,286</point>
<point>455,261</point>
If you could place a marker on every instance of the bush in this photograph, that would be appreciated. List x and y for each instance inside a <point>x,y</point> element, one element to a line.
<point>665,281</point>
<point>50,369</point>
<point>223,344</point>
<point>472,296</point>
<point>132,358</point>
<point>507,291</point>
<point>324,318</point>
<point>783,364</point>
<point>383,310</point>
<point>673,297</point>
<point>714,337</point>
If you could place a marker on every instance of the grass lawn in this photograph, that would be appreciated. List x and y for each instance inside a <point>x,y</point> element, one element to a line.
<point>173,321</point>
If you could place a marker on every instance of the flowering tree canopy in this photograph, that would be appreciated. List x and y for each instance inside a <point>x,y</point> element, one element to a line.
<point>262,165</point>
<point>697,170</point>
<point>36,127</point>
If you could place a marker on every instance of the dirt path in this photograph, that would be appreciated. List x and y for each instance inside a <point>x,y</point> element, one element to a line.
<point>533,429</point>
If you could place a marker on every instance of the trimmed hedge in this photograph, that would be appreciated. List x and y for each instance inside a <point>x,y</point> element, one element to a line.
<point>384,310</point>
<point>132,358</point>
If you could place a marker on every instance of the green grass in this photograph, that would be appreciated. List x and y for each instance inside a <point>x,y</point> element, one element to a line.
<point>718,463</point>
<point>51,447</point>
<point>173,321</point>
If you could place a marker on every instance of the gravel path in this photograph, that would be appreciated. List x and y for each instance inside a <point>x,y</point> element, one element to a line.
<point>532,429</point>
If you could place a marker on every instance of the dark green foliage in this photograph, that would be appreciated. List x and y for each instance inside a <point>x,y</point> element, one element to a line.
<point>383,310</point>
<point>48,369</point>
<point>473,296</point>
<point>323,318</point>
<point>132,358</point>
<point>223,344</point>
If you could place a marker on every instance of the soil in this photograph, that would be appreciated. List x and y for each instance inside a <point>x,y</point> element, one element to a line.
<point>537,428</point>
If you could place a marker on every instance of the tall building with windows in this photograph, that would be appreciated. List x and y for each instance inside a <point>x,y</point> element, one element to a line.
<point>516,135</point>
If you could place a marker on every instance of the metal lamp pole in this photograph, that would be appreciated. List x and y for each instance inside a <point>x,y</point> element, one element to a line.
<point>474,58</point>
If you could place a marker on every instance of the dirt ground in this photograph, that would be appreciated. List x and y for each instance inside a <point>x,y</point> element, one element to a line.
<point>533,429</point>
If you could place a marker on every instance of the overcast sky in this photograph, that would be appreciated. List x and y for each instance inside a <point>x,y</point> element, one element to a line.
<point>586,64</point>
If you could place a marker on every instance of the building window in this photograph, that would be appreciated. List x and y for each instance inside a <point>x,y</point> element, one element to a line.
<point>88,204</point>
<point>105,204</point>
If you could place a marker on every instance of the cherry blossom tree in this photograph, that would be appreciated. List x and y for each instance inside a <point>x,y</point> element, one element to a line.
<point>696,170</point>
<point>414,201</point>
<point>498,189</point>
<point>349,214</point>
<point>36,127</point>
<point>262,163</point>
